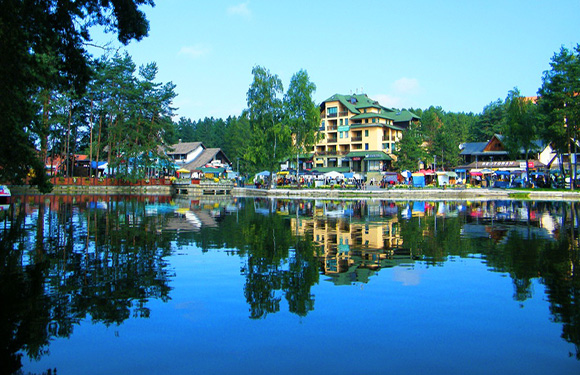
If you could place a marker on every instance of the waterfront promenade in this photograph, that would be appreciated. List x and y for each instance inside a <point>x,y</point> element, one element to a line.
<point>412,194</point>
<point>371,192</point>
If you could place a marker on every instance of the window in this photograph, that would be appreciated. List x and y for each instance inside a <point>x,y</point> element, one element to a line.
<point>374,119</point>
<point>340,122</point>
<point>366,133</point>
<point>366,146</point>
<point>345,134</point>
<point>341,134</point>
<point>346,121</point>
<point>386,146</point>
<point>374,165</point>
<point>332,111</point>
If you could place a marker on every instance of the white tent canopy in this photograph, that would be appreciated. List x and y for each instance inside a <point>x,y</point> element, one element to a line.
<point>334,175</point>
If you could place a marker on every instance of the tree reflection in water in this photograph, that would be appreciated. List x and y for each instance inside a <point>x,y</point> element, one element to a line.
<point>64,261</point>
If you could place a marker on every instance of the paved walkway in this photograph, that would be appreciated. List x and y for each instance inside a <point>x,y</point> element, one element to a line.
<point>375,192</point>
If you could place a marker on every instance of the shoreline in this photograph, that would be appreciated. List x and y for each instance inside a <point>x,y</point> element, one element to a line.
<point>410,194</point>
<point>372,193</point>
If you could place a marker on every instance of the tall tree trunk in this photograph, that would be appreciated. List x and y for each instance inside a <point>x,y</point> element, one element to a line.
<point>570,161</point>
<point>91,143</point>
<point>68,168</point>
<point>45,129</point>
<point>99,143</point>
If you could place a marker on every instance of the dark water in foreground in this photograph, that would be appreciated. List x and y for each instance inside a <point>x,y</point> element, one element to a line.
<point>127,285</point>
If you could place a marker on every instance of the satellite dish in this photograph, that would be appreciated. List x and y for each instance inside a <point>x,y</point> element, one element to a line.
<point>461,146</point>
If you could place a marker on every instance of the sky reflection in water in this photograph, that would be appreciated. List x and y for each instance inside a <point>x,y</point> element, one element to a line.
<point>152,285</point>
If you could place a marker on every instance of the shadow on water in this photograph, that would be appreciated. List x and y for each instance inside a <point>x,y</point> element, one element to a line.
<point>67,259</point>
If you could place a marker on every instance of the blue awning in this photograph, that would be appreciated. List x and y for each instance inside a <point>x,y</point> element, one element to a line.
<point>99,164</point>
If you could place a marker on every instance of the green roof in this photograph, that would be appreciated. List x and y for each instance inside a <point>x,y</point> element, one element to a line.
<point>356,102</point>
<point>405,116</point>
<point>360,101</point>
<point>331,169</point>
<point>371,115</point>
<point>212,170</point>
<point>381,155</point>
<point>369,155</point>
<point>375,124</point>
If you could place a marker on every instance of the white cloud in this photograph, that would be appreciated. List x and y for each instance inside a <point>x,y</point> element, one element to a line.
<point>240,10</point>
<point>406,86</point>
<point>407,277</point>
<point>388,100</point>
<point>194,52</point>
<point>403,93</point>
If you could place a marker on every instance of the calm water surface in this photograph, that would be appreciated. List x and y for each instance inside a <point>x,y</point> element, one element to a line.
<point>150,285</point>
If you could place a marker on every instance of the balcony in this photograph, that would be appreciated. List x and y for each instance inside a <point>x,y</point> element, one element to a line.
<point>343,113</point>
<point>356,139</point>
<point>332,127</point>
<point>331,153</point>
<point>330,115</point>
<point>332,140</point>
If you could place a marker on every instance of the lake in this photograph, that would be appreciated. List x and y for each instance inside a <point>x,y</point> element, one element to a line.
<point>150,285</point>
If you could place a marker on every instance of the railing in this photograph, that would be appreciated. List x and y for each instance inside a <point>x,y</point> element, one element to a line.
<point>356,139</point>
<point>331,153</point>
<point>322,115</point>
<point>331,115</point>
<point>385,138</point>
<point>332,127</point>
<point>343,113</point>
<point>331,140</point>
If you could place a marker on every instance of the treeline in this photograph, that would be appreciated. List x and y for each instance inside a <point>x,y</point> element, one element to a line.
<point>231,135</point>
<point>553,117</point>
<point>123,117</point>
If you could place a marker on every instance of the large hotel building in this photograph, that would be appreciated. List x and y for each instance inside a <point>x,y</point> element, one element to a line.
<point>358,134</point>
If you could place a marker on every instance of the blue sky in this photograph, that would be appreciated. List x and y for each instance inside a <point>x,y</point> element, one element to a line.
<point>460,55</point>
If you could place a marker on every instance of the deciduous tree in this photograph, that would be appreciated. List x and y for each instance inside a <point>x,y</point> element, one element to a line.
<point>302,114</point>
<point>271,140</point>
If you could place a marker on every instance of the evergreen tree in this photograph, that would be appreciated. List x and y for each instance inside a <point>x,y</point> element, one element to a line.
<point>43,48</point>
<point>559,101</point>
<point>409,150</point>
<point>521,126</point>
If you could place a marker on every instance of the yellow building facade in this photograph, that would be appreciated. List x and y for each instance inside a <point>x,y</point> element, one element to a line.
<point>358,134</point>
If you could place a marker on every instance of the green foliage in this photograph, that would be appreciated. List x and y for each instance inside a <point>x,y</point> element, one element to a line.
<point>490,122</point>
<point>409,151</point>
<point>302,113</point>
<point>270,139</point>
<point>521,126</point>
<point>559,102</point>
<point>43,49</point>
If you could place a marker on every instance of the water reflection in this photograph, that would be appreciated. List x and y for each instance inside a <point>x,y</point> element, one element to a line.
<point>67,259</point>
